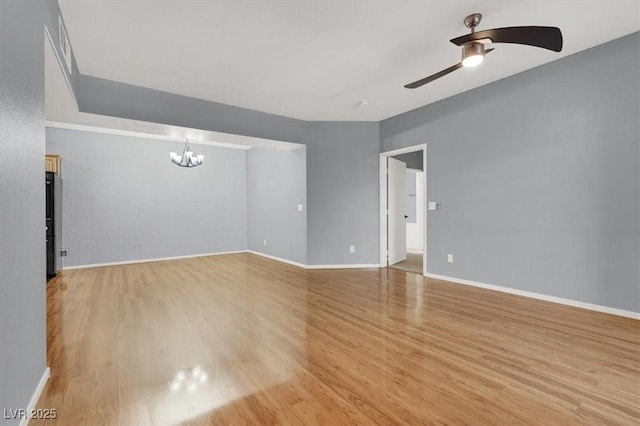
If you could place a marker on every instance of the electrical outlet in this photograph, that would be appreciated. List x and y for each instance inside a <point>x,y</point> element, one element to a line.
<point>64,252</point>
<point>264,242</point>
<point>352,249</point>
<point>299,207</point>
<point>450,258</point>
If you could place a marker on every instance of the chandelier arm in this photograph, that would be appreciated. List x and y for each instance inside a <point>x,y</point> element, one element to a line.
<point>188,161</point>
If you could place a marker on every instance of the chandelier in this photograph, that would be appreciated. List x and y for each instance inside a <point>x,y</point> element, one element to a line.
<point>187,159</point>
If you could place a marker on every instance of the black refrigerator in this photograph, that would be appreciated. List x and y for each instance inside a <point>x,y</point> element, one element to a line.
<point>53,222</point>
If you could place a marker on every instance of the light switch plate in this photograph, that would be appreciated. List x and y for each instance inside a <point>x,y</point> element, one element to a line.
<point>432,205</point>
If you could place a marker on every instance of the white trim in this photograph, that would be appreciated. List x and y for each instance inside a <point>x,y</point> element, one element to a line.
<point>36,395</point>
<point>383,211</point>
<point>268,256</point>
<point>554,299</point>
<point>352,266</point>
<point>135,134</point>
<point>279,259</point>
<point>159,259</point>
<point>305,266</point>
<point>406,150</point>
<point>383,201</point>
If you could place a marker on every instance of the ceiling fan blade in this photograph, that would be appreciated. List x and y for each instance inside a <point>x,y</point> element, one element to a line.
<point>432,77</point>
<point>437,75</point>
<point>545,37</point>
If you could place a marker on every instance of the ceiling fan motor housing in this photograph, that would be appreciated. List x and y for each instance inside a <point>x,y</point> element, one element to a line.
<point>470,50</point>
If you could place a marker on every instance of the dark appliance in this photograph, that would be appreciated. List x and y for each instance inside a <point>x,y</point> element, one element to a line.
<point>53,222</point>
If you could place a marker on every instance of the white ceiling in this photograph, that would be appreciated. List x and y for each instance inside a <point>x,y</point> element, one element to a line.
<point>316,60</point>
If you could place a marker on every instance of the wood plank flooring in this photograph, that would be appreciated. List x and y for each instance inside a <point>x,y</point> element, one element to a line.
<point>240,339</point>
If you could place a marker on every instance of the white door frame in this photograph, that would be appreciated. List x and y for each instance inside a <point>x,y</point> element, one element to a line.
<point>383,201</point>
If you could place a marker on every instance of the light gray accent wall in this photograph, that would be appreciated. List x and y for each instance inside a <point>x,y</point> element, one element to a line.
<point>342,192</point>
<point>124,200</point>
<point>412,159</point>
<point>539,177</point>
<point>276,184</point>
<point>22,236</point>
<point>105,97</point>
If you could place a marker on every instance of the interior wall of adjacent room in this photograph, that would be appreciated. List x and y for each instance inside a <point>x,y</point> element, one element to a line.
<point>276,185</point>
<point>125,201</point>
<point>537,175</point>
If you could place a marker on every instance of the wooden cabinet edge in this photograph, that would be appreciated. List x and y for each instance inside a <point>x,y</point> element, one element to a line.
<point>52,163</point>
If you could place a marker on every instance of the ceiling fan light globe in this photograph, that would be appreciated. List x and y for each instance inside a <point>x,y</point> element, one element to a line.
<point>472,61</point>
<point>472,54</point>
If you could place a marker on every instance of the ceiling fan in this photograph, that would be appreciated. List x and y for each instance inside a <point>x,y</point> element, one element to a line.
<point>473,44</point>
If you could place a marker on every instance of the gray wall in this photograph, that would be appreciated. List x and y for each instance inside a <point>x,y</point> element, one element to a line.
<point>124,200</point>
<point>276,184</point>
<point>342,198</point>
<point>540,188</point>
<point>22,246</point>
<point>340,156</point>
<point>342,192</point>
<point>105,97</point>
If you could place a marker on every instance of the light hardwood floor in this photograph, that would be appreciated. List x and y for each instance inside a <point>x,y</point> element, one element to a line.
<point>261,342</point>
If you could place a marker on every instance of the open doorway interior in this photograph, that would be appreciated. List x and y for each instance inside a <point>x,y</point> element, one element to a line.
<point>405,203</point>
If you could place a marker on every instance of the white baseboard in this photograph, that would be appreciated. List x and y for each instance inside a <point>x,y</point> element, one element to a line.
<point>36,395</point>
<point>554,299</point>
<point>159,259</point>
<point>351,266</point>
<point>305,266</point>
<point>279,259</point>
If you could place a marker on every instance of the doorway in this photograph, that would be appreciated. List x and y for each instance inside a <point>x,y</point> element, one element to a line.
<point>403,190</point>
